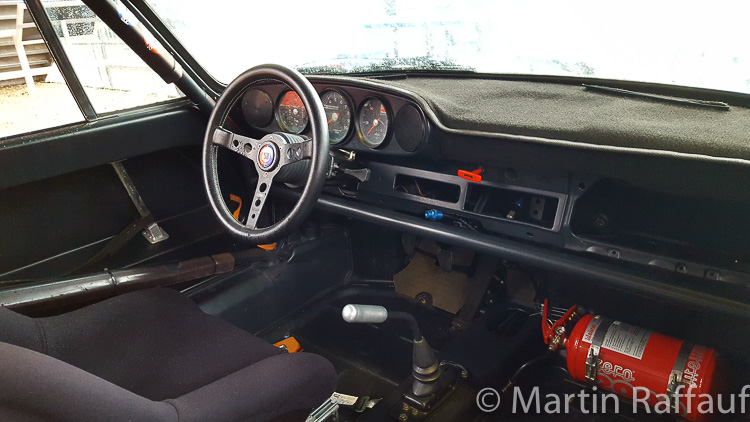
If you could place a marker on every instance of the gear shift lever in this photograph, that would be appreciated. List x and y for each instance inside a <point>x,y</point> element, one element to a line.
<point>426,368</point>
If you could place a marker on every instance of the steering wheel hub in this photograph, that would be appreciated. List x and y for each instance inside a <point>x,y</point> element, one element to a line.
<point>268,156</point>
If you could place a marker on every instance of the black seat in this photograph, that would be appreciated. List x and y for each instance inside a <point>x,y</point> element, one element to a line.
<point>150,355</point>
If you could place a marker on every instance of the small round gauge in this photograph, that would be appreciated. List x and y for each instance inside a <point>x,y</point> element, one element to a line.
<point>338,115</point>
<point>291,113</point>
<point>373,122</point>
<point>257,107</point>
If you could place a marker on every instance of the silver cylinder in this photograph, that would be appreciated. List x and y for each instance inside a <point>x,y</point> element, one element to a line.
<point>364,313</point>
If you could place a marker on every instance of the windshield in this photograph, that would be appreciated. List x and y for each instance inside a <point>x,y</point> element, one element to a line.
<point>691,43</point>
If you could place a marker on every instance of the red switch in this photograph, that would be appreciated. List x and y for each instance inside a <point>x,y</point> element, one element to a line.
<point>473,176</point>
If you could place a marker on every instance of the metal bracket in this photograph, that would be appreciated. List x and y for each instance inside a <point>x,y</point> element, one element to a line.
<point>592,363</point>
<point>592,359</point>
<point>153,233</point>
<point>675,377</point>
<point>326,411</point>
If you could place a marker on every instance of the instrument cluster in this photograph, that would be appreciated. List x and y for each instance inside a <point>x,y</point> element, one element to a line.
<point>355,116</point>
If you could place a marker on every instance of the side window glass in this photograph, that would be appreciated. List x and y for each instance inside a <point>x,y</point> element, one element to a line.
<point>113,76</point>
<point>33,95</point>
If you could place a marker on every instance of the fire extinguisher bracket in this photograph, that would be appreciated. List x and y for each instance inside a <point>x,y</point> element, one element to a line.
<point>592,364</point>
<point>678,370</point>
<point>592,359</point>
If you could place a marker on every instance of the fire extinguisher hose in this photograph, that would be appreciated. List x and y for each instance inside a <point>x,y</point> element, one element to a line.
<point>530,363</point>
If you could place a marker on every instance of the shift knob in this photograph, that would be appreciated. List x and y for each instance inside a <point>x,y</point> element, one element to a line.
<point>364,313</point>
<point>426,368</point>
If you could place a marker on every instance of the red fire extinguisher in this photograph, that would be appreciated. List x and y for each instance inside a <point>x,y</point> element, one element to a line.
<point>634,362</point>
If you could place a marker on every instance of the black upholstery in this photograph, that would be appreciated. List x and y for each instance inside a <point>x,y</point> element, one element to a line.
<point>149,355</point>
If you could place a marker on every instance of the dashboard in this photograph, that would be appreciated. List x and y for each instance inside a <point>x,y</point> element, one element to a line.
<point>394,150</point>
<point>358,119</point>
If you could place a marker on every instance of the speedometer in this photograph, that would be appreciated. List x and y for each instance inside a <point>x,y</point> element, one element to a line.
<point>338,115</point>
<point>291,113</point>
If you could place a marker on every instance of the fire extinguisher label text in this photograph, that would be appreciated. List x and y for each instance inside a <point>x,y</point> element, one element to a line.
<point>591,329</point>
<point>626,339</point>
<point>690,376</point>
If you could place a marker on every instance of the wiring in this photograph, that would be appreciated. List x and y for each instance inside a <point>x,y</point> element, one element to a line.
<point>345,193</point>
<point>417,185</point>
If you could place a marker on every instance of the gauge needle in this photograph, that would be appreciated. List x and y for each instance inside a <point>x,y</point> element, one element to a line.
<point>375,123</point>
<point>334,117</point>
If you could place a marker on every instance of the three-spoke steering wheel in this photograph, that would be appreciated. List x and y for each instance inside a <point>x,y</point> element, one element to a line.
<point>278,157</point>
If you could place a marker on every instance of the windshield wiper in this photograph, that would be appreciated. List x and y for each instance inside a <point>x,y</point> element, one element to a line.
<point>717,105</point>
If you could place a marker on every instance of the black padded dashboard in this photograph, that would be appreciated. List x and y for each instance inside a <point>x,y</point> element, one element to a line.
<point>554,112</point>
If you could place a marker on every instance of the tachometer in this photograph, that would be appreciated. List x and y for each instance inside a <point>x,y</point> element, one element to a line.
<point>338,114</point>
<point>291,113</point>
<point>373,122</point>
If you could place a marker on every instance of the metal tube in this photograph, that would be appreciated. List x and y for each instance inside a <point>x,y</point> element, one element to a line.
<point>122,174</point>
<point>166,37</point>
<point>409,318</point>
<point>160,61</point>
<point>193,91</point>
<point>75,290</point>
<point>544,258</point>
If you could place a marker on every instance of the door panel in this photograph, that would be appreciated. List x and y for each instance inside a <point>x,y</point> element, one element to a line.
<point>37,156</point>
<point>73,202</point>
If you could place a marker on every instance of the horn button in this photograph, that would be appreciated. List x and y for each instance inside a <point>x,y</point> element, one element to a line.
<point>268,156</point>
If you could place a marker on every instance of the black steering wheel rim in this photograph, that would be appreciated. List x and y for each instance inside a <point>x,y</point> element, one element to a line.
<point>317,148</point>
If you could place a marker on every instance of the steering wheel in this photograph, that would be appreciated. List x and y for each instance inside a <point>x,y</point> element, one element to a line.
<point>278,157</point>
